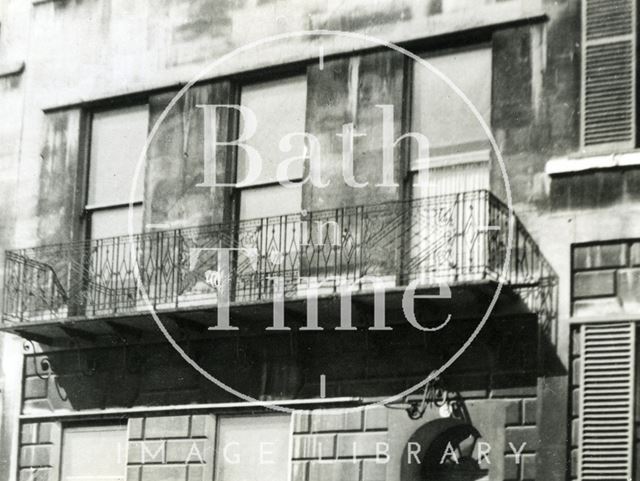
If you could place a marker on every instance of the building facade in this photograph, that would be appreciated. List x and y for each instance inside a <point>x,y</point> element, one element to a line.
<point>511,256</point>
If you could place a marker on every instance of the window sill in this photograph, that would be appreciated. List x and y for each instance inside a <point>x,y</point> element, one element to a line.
<point>239,406</point>
<point>604,318</point>
<point>9,69</point>
<point>569,165</point>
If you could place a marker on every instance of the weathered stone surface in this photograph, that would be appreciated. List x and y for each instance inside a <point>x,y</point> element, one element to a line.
<point>167,427</point>
<point>299,470</point>
<point>60,196</point>
<point>513,413</point>
<point>511,469</point>
<point>36,474</point>
<point>331,421</point>
<point>29,433</point>
<point>35,387</point>
<point>166,472</point>
<point>519,435</point>
<point>359,444</point>
<point>47,432</point>
<point>373,471</point>
<point>185,451</point>
<point>136,428</point>
<point>175,162</point>
<point>529,467</point>
<point>37,456</point>
<point>530,411</point>
<point>195,473</point>
<point>512,79</point>
<point>316,446</point>
<point>133,473</point>
<point>347,91</point>
<point>342,470</point>
<point>147,452</point>
<point>376,418</point>
<point>301,422</point>
<point>199,425</point>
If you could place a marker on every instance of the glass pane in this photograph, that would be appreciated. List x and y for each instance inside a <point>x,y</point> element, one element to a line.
<point>453,179</point>
<point>96,453</point>
<point>440,114</point>
<point>115,222</point>
<point>591,284</point>
<point>629,288</point>
<point>269,201</point>
<point>279,108</point>
<point>607,255</point>
<point>253,448</point>
<point>117,140</point>
<point>635,254</point>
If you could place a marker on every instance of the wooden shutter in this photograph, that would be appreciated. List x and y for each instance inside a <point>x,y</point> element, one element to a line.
<point>606,402</point>
<point>608,73</point>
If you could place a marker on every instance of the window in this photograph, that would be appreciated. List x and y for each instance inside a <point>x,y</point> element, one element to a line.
<point>459,153</point>
<point>253,448</point>
<point>97,453</point>
<point>609,43</point>
<point>605,402</point>
<point>279,107</point>
<point>459,148</point>
<point>117,140</point>
<point>606,278</point>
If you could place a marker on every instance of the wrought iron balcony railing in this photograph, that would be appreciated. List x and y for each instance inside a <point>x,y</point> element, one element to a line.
<point>454,238</point>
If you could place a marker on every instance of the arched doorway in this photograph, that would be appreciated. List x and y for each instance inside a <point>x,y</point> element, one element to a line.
<point>443,450</point>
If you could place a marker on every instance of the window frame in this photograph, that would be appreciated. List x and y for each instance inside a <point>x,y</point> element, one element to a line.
<point>627,242</point>
<point>87,208</point>
<point>239,85</point>
<point>448,160</point>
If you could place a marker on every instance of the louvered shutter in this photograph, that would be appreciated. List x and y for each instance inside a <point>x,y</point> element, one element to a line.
<point>608,73</point>
<point>606,402</point>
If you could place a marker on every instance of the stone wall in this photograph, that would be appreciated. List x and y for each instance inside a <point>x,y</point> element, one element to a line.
<point>339,446</point>
<point>171,447</point>
<point>345,445</point>
<point>40,444</point>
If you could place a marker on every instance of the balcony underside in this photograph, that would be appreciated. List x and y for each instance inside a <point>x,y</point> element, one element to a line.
<point>469,301</point>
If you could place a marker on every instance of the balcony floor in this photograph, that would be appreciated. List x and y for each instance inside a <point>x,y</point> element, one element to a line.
<point>469,300</point>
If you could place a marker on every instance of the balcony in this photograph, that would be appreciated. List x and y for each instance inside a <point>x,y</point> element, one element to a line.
<point>459,239</point>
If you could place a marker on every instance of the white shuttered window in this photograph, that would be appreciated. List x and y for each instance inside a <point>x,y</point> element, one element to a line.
<point>609,38</point>
<point>606,402</point>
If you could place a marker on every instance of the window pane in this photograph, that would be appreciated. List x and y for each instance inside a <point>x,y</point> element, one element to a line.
<point>115,222</point>
<point>597,283</point>
<point>96,453</point>
<point>599,256</point>
<point>629,288</point>
<point>635,254</point>
<point>279,108</point>
<point>440,114</point>
<point>117,140</point>
<point>269,201</point>
<point>253,448</point>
